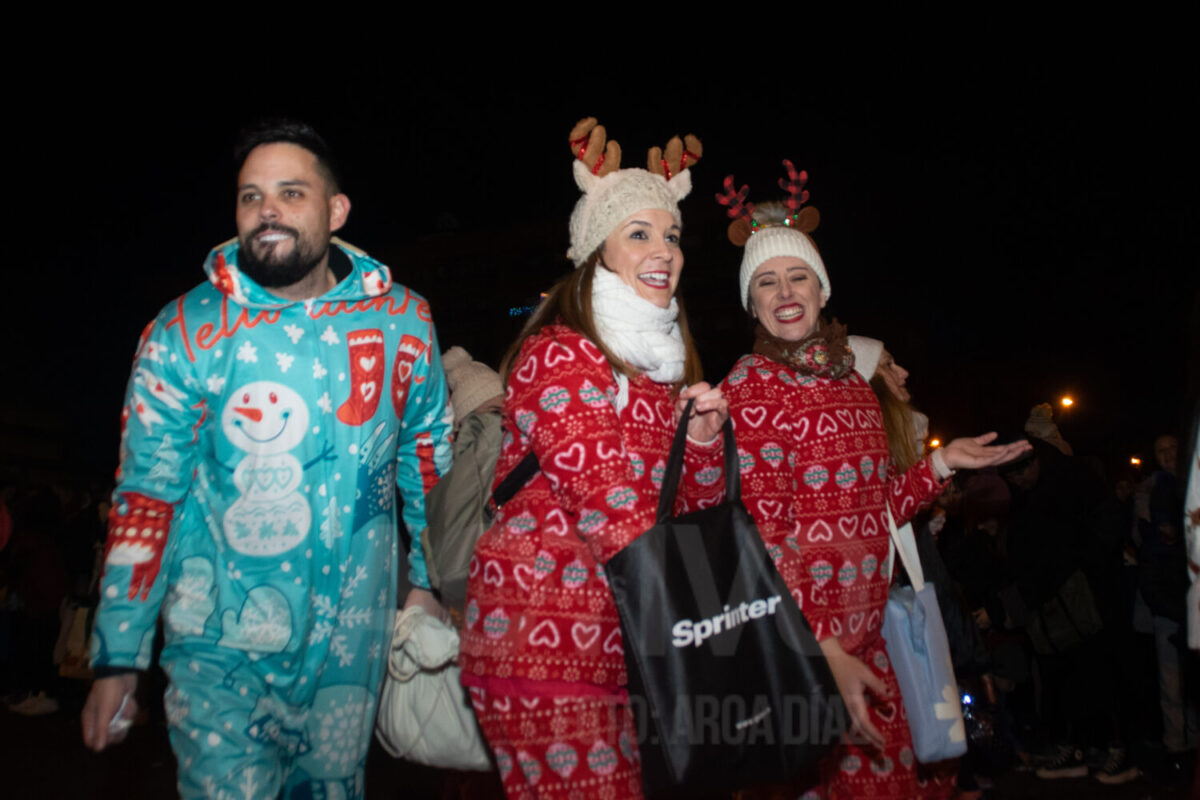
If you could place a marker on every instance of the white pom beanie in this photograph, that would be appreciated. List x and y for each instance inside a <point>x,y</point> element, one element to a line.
<point>609,199</point>
<point>778,240</point>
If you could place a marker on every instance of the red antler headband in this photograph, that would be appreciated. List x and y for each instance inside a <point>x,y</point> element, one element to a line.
<point>611,193</point>
<point>741,210</point>
<point>735,202</point>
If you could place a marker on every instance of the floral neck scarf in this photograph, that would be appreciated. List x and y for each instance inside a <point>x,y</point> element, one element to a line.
<point>824,354</point>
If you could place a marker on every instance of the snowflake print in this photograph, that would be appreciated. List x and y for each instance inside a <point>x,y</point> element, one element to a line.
<point>360,574</point>
<point>177,707</point>
<point>320,632</point>
<point>340,649</point>
<point>331,526</point>
<point>340,738</point>
<point>323,605</point>
<point>247,353</point>
<point>294,332</point>
<point>330,336</point>
<point>348,618</point>
<point>374,651</point>
<point>318,370</point>
<point>249,786</point>
<point>216,383</point>
<point>324,403</point>
<point>284,360</point>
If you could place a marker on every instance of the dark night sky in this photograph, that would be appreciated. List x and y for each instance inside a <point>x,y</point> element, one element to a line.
<point>1011,232</point>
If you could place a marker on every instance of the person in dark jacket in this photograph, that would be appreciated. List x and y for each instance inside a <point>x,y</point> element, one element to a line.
<point>1163,583</point>
<point>1050,526</point>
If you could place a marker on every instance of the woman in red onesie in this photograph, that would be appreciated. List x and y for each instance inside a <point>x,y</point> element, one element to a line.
<point>595,384</point>
<point>817,479</point>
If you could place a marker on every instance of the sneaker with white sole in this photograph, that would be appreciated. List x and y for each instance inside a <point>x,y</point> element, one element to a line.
<point>1116,770</point>
<point>1068,763</point>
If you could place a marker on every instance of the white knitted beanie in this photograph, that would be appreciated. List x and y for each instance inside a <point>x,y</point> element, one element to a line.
<point>767,243</point>
<point>609,199</point>
<point>866,355</point>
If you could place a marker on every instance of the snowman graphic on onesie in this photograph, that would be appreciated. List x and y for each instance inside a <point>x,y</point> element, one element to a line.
<point>266,419</point>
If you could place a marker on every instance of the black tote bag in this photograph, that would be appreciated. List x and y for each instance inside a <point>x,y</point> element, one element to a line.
<point>726,681</point>
<point>725,676</point>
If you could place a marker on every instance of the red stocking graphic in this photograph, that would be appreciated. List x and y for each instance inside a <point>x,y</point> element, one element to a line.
<point>137,536</point>
<point>366,377</point>
<point>410,349</point>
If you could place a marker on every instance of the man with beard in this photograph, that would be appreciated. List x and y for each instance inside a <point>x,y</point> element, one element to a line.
<point>271,414</point>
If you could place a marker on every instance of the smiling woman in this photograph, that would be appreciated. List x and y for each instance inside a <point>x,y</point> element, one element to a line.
<point>815,461</point>
<point>594,384</point>
<point>644,253</point>
<point>786,297</point>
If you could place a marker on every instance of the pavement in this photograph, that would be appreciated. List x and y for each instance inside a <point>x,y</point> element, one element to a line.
<point>43,758</point>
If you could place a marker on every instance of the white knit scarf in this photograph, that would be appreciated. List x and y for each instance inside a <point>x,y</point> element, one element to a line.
<point>640,333</point>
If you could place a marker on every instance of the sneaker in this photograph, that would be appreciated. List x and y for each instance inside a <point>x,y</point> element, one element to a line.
<point>1068,763</point>
<point>36,705</point>
<point>1115,769</point>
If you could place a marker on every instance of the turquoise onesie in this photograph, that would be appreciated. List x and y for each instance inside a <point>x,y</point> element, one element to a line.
<point>262,443</point>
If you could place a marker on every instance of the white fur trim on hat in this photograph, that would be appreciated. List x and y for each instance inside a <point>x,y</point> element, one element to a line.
<point>767,243</point>
<point>608,200</point>
<point>866,355</point>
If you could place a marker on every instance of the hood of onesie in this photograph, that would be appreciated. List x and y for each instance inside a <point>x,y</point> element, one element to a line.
<point>367,279</point>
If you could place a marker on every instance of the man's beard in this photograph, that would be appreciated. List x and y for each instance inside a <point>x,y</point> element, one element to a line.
<point>275,272</point>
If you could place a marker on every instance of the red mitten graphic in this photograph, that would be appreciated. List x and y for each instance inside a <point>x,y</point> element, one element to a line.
<point>366,377</point>
<point>425,463</point>
<point>137,536</point>
<point>410,349</point>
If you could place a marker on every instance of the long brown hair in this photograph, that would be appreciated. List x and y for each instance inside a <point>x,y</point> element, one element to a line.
<point>898,424</point>
<point>569,303</point>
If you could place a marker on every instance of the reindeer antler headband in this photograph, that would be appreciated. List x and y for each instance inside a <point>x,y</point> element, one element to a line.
<point>769,231</point>
<point>610,194</point>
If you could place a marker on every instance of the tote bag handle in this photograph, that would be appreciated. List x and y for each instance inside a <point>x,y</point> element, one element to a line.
<point>528,467</point>
<point>906,546</point>
<point>670,486</point>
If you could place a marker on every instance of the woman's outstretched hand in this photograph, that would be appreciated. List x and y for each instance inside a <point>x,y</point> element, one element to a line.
<point>708,414</point>
<point>974,452</point>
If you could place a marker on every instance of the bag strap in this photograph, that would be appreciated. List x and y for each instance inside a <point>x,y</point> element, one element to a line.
<point>905,543</point>
<point>1066,607</point>
<point>670,485</point>
<point>515,479</point>
<point>528,467</point>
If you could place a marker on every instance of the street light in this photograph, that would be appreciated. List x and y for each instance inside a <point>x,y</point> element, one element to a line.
<point>1135,461</point>
<point>1067,401</point>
